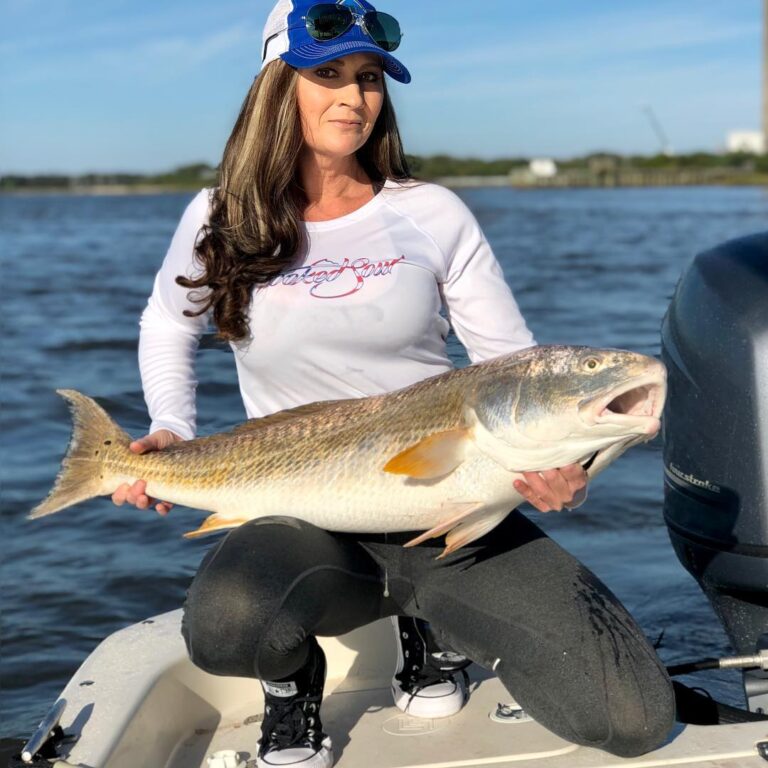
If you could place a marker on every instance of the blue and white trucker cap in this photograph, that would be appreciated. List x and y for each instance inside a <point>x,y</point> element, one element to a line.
<point>285,36</point>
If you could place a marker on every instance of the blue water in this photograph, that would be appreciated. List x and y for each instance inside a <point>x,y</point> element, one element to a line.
<point>591,267</point>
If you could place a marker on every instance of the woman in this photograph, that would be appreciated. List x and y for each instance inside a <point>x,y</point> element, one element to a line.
<point>326,268</point>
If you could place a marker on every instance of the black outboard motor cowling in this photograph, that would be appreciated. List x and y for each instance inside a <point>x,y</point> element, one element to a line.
<point>715,346</point>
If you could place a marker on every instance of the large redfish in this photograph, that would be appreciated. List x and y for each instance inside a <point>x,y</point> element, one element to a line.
<point>438,456</point>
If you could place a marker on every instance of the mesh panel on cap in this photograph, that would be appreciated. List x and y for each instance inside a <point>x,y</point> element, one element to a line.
<point>275,31</point>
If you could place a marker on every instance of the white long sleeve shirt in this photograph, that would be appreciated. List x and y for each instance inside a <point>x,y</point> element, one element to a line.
<point>358,314</point>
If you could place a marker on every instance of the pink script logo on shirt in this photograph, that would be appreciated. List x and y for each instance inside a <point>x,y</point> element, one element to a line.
<point>331,280</point>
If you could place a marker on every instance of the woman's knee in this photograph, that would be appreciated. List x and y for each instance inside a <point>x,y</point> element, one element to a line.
<point>634,725</point>
<point>220,625</point>
<point>221,619</point>
<point>634,739</point>
<point>243,614</point>
<point>231,636</point>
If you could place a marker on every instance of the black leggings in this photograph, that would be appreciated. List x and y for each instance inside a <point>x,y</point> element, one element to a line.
<point>513,601</point>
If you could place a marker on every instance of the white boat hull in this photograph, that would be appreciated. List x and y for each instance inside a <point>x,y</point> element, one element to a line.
<point>139,701</point>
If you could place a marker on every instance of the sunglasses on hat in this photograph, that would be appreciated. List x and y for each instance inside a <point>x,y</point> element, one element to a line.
<point>327,21</point>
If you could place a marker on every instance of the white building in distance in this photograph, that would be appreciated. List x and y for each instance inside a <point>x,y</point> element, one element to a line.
<point>543,167</point>
<point>751,142</point>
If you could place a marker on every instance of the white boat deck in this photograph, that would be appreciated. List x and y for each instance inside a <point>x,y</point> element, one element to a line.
<point>368,732</point>
<point>137,701</point>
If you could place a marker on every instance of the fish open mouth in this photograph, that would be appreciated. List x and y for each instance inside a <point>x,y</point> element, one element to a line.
<point>635,405</point>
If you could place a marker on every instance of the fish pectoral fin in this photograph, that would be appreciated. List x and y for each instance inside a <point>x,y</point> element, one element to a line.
<point>432,457</point>
<point>215,523</point>
<point>464,509</point>
<point>471,529</point>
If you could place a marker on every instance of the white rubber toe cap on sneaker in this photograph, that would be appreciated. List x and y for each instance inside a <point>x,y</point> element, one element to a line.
<point>432,701</point>
<point>301,757</point>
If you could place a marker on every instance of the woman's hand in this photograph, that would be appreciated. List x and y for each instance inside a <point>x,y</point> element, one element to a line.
<point>553,489</point>
<point>136,494</point>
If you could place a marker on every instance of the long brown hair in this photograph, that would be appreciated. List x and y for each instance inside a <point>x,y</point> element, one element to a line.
<point>254,231</point>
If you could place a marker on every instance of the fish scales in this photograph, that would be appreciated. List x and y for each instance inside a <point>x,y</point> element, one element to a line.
<point>444,450</point>
<point>330,452</point>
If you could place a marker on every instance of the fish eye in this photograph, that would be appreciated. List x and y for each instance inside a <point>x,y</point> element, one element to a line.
<point>592,363</point>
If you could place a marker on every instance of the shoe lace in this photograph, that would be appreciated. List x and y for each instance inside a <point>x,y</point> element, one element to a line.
<point>415,678</point>
<point>288,724</point>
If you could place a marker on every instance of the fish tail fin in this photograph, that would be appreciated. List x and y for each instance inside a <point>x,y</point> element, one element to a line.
<point>81,476</point>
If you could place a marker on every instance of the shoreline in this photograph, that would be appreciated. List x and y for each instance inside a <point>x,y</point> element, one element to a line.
<point>457,182</point>
<point>100,190</point>
<point>452,182</point>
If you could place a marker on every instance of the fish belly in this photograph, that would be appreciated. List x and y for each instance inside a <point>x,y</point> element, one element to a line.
<point>384,503</point>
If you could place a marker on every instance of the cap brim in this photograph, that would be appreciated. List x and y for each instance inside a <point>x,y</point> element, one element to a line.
<point>315,53</point>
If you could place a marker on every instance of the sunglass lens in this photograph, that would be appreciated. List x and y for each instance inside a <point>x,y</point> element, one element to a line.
<point>383,29</point>
<point>328,21</point>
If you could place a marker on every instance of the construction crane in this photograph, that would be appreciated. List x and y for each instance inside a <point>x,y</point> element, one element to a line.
<point>666,147</point>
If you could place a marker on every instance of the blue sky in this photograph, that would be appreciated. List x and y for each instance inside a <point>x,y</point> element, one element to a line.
<point>146,85</point>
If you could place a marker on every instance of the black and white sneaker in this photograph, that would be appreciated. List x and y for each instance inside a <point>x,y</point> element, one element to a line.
<point>291,733</point>
<point>427,682</point>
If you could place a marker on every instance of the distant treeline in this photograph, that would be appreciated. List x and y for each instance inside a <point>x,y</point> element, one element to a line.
<point>435,166</point>
<point>186,177</point>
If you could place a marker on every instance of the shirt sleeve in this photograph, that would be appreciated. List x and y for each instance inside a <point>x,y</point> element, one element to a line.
<point>168,339</point>
<point>480,306</point>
